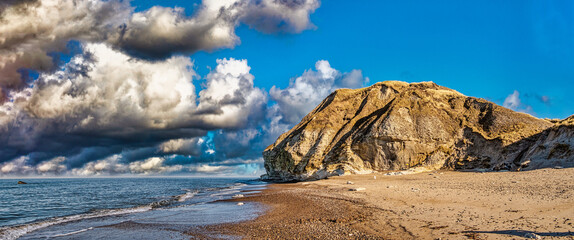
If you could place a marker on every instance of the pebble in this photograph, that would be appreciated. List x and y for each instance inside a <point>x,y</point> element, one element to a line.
<point>558,167</point>
<point>357,189</point>
<point>532,236</point>
<point>349,182</point>
<point>240,204</point>
<point>238,196</point>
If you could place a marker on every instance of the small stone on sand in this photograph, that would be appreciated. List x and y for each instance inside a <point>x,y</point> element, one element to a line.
<point>532,236</point>
<point>357,189</point>
<point>238,196</point>
<point>349,182</point>
<point>240,204</point>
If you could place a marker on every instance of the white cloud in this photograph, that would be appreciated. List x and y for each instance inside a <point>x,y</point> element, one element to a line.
<point>304,93</point>
<point>23,166</point>
<point>206,168</point>
<point>106,93</point>
<point>18,166</point>
<point>115,89</point>
<point>53,166</point>
<point>30,30</point>
<point>110,106</point>
<point>109,165</point>
<point>230,99</point>
<point>185,146</point>
<point>153,165</point>
<point>512,101</point>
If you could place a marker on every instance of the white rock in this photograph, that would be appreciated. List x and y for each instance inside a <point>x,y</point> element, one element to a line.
<point>532,236</point>
<point>240,204</point>
<point>357,189</point>
<point>349,182</point>
<point>238,196</point>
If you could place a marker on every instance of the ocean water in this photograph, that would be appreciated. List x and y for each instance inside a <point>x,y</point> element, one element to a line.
<point>113,208</point>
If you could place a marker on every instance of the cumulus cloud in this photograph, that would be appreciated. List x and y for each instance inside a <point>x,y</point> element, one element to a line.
<point>126,102</point>
<point>24,166</point>
<point>103,102</point>
<point>184,146</point>
<point>230,98</point>
<point>308,90</point>
<point>107,166</point>
<point>17,166</point>
<point>105,113</point>
<point>152,165</point>
<point>31,30</point>
<point>53,166</point>
<point>101,98</point>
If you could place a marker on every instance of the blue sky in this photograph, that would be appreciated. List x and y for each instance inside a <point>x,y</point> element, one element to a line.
<point>484,49</point>
<point>202,87</point>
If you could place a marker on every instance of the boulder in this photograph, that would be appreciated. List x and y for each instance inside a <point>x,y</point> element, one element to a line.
<point>395,125</point>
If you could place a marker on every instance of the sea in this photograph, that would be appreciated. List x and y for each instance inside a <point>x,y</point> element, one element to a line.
<point>121,208</point>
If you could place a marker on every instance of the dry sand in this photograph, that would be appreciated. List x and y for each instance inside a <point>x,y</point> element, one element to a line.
<point>431,205</point>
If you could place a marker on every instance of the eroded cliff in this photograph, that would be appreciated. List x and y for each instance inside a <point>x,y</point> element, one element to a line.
<point>396,125</point>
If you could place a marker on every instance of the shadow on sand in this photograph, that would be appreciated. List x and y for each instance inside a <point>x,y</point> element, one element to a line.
<point>522,233</point>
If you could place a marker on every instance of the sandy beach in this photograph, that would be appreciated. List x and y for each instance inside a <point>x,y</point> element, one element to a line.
<point>428,205</point>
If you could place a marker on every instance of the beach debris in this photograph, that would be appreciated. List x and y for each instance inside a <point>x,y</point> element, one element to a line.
<point>375,177</point>
<point>238,196</point>
<point>394,173</point>
<point>391,186</point>
<point>532,236</point>
<point>415,189</point>
<point>558,167</point>
<point>349,182</point>
<point>21,182</point>
<point>240,204</point>
<point>357,189</point>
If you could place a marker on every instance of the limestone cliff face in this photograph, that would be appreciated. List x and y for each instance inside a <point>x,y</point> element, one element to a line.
<point>395,125</point>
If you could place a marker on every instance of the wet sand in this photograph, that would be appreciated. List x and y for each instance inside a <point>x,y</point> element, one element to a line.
<point>431,205</point>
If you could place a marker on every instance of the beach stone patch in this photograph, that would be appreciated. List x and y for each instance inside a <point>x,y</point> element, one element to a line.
<point>532,236</point>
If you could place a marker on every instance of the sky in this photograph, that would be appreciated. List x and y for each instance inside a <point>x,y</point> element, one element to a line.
<point>200,88</point>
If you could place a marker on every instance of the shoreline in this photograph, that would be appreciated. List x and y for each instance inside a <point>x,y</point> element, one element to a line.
<point>162,216</point>
<point>430,205</point>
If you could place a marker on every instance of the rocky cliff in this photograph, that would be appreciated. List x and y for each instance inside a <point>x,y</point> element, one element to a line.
<point>396,125</point>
